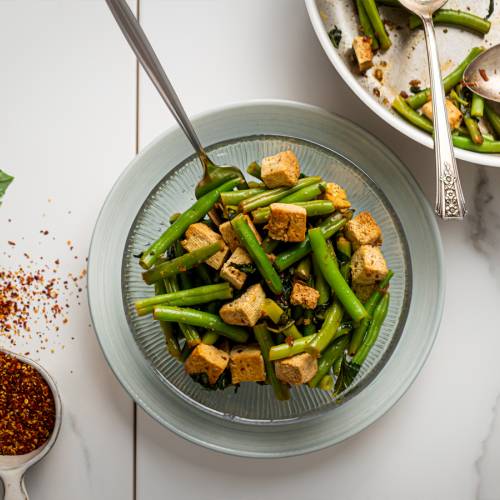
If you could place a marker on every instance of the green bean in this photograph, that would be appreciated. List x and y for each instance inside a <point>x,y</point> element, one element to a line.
<point>210,337</point>
<point>181,264</point>
<point>477,106</point>
<point>409,114</point>
<point>309,327</point>
<point>274,195</point>
<point>313,209</point>
<point>326,383</point>
<point>328,330</point>
<point>370,305</point>
<point>366,25</point>
<point>203,319</point>
<point>336,366</point>
<point>473,128</point>
<point>493,118</point>
<point>168,328</point>
<point>272,310</point>
<point>486,147</point>
<point>344,247</point>
<point>303,269</point>
<point>269,245</point>
<point>376,22</point>
<point>331,354</point>
<point>286,350</point>
<point>236,197</point>
<point>254,169</point>
<point>456,18</point>
<point>193,296</point>
<point>333,276</point>
<point>190,216</point>
<point>454,78</point>
<point>296,252</point>
<point>321,285</point>
<point>259,257</point>
<point>374,329</point>
<point>307,193</point>
<point>264,339</point>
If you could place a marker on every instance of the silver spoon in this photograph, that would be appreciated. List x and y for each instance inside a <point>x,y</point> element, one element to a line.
<point>450,202</point>
<point>13,467</point>
<point>213,175</point>
<point>482,76</point>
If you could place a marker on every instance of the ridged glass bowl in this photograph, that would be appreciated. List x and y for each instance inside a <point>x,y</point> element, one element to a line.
<point>161,180</point>
<point>175,192</point>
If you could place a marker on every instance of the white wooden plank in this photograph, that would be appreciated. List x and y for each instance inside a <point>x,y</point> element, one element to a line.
<point>224,51</point>
<point>67,129</point>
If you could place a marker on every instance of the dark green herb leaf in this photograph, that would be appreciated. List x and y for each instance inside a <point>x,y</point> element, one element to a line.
<point>5,180</point>
<point>415,90</point>
<point>348,372</point>
<point>222,383</point>
<point>244,268</point>
<point>335,36</point>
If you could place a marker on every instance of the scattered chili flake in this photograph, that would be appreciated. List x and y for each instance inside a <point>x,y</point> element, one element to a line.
<point>376,92</point>
<point>11,243</point>
<point>289,340</point>
<point>483,74</point>
<point>27,408</point>
<point>403,94</point>
<point>378,74</point>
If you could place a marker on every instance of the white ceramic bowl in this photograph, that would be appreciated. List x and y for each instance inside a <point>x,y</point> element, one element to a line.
<point>406,59</point>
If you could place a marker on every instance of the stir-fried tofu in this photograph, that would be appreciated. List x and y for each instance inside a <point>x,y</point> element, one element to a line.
<point>454,114</point>
<point>199,235</point>
<point>303,295</point>
<point>298,369</point>
<point>363,230</point>
<point>229,236</point>
<point>244,310</point>
<point>230,271</point>
<point>362,46</point>
<point>287,222</point>
<point>368,265</point>
<point>246,364</point>
<point>363,292</point>
<point>337,196</point>
<point>207,359</point>
<point>281,170</point>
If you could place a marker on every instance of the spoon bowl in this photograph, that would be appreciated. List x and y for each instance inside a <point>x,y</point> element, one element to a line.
<point>423,7</point>
<point>482,76</point>
<point>14,467</point>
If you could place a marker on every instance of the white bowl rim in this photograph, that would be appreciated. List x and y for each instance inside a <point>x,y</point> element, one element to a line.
<point>394,120</point>
<point>234,450</point>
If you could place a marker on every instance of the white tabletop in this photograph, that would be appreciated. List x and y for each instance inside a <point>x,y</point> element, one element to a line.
<point>72,115</point>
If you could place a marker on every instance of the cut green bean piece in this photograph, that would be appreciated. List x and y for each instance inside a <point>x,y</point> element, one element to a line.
<point>236,197</point>
<point>473,128</point>
<point>274,195</point>
<point>455,18</point>
<point>333,276</point>
<point>182,263</point>
<point>168,328</point>
<point>254,169</point>
<point>265,342</point>
<point>203,319</point>
<point>328,330</point>
<point>366,24</point>
<point>477,106</point>
<point>298,346</point>
<point>377,24</point>
<point>493,117</point>
<point>259,257</point>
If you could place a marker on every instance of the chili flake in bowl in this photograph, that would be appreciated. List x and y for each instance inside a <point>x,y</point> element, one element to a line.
<point>27,407</point>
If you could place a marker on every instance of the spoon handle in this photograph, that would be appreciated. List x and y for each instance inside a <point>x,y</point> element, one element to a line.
<point>13,482</point>
<point>139,43</point>
<point>450,202</point>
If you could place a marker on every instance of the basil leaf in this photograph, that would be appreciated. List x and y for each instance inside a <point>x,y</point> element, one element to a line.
<point>335,36</point>
<point>5,180</point>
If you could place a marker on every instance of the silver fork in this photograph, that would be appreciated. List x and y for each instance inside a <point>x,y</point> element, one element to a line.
<point>450,202</point>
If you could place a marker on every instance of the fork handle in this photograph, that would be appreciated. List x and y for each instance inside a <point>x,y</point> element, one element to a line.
<point>450,202</point>
<point>142,48</point>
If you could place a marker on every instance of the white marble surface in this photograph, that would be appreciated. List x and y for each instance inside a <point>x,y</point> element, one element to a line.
<point>68,127</point>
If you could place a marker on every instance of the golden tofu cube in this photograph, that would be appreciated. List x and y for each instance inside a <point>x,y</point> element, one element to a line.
<point>246,364</point>
<point>280,170</point>
<point>287,222</point>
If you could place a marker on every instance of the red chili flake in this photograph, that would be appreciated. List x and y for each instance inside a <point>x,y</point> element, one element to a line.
<point>289,340</point>
<point>483,74</point>
<point>27,408</point>
<point>12,243</point>
<point>44,232</point>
